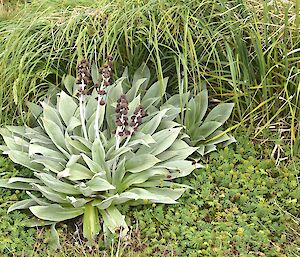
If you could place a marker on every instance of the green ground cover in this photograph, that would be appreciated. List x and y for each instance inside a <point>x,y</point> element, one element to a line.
<point>242,204</point>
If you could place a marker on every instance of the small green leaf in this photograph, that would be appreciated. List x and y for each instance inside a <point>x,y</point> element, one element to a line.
<point>99,184</point>
<point>79,172</point>
<point>205,130</point>
<point>141,162</point>
<point>91,224</point>
<point>66,107</point>
<point>54,240</point>
<point>114,220</point>
<point>24,204</point>
<point>55,212</point>
<point>51,194</point>
<point>69,83</point>
<point>220,113</point>
<point>56,184</point>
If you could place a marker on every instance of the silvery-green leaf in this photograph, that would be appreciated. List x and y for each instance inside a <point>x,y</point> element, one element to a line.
<point>172,113</point>
<point>39,201</point>
<point>11,144</point>
<point>77,145</point>
<point>51,194</point>
<point>56,184</point>
<point>79,172</point>
<point>104,204</point>
<point>91,123</point>
<point>190,114</point>
<point>154,195</point>
<point>150,126</point>
<point>119,173</point>
<point>55,166</point>
<point>158,89</point>
<point>98,184</point>
<point>54,239</point>
<point>84,189</point>
<point>24,204</point>
<point>70,84</point>
<point>140,138</point>
<point>178,151</point>
<point>161,183</point>
<point>178,100</point>
<point>37,135</point>
<point>209,148</point>
<point>201,101</point>
<point>37,149</point>
<point>148,103</point>
<point>201,150</point>
<point>132,105</point>
<point>98,152</point>
<point>66,107</point>
<point>141,162</point>
<point>73,159</point>
<point>165,124</point>
<point>143,176</point>
<point>83,141</point>
<point>115,153</point>
<point>23,159</point>
<point>51,114</point>
<point>21,141</point>
<point>206,129</point>
<point>179,168</point>
<point>220,137</point>
<point>23,180</point>
<point>35,109</point>
<point>164,138</point>
<point>16,185</point>
<point>4,149</point>
<point>112,95</point>
<point>93,166</point>
<point>55,212</point>
<point>76,202</point>
<point>114,220</point>
<point>91,224</point>
<point>141,73</point>
<point>229,141</point>
<point>125,73</point>
<point>132,92</point>
<point>56,135</point>
<point>91,106</point>
<point>220,113</point>
<point>19,130</point>
<point>73,123</point>
<point>64,173</point>
<point>35,222</point>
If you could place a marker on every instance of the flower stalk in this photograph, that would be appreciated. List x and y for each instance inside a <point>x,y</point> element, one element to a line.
<point>106,78</point>
<point>83,79</point>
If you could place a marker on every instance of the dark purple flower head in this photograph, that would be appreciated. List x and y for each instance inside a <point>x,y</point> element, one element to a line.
<point>83,72</point>
<point>137,117</point>
<point>121,116</point>
<point>106,78</point>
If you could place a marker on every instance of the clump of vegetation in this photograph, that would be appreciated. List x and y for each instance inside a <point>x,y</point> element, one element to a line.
<point>246,51</point>
<point>107,144</point>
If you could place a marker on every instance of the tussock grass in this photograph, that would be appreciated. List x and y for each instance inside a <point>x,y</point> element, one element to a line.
<point>244,50</point>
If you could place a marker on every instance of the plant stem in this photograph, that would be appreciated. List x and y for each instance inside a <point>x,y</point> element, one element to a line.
<point>82,111</point>
<point>98,112</point>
